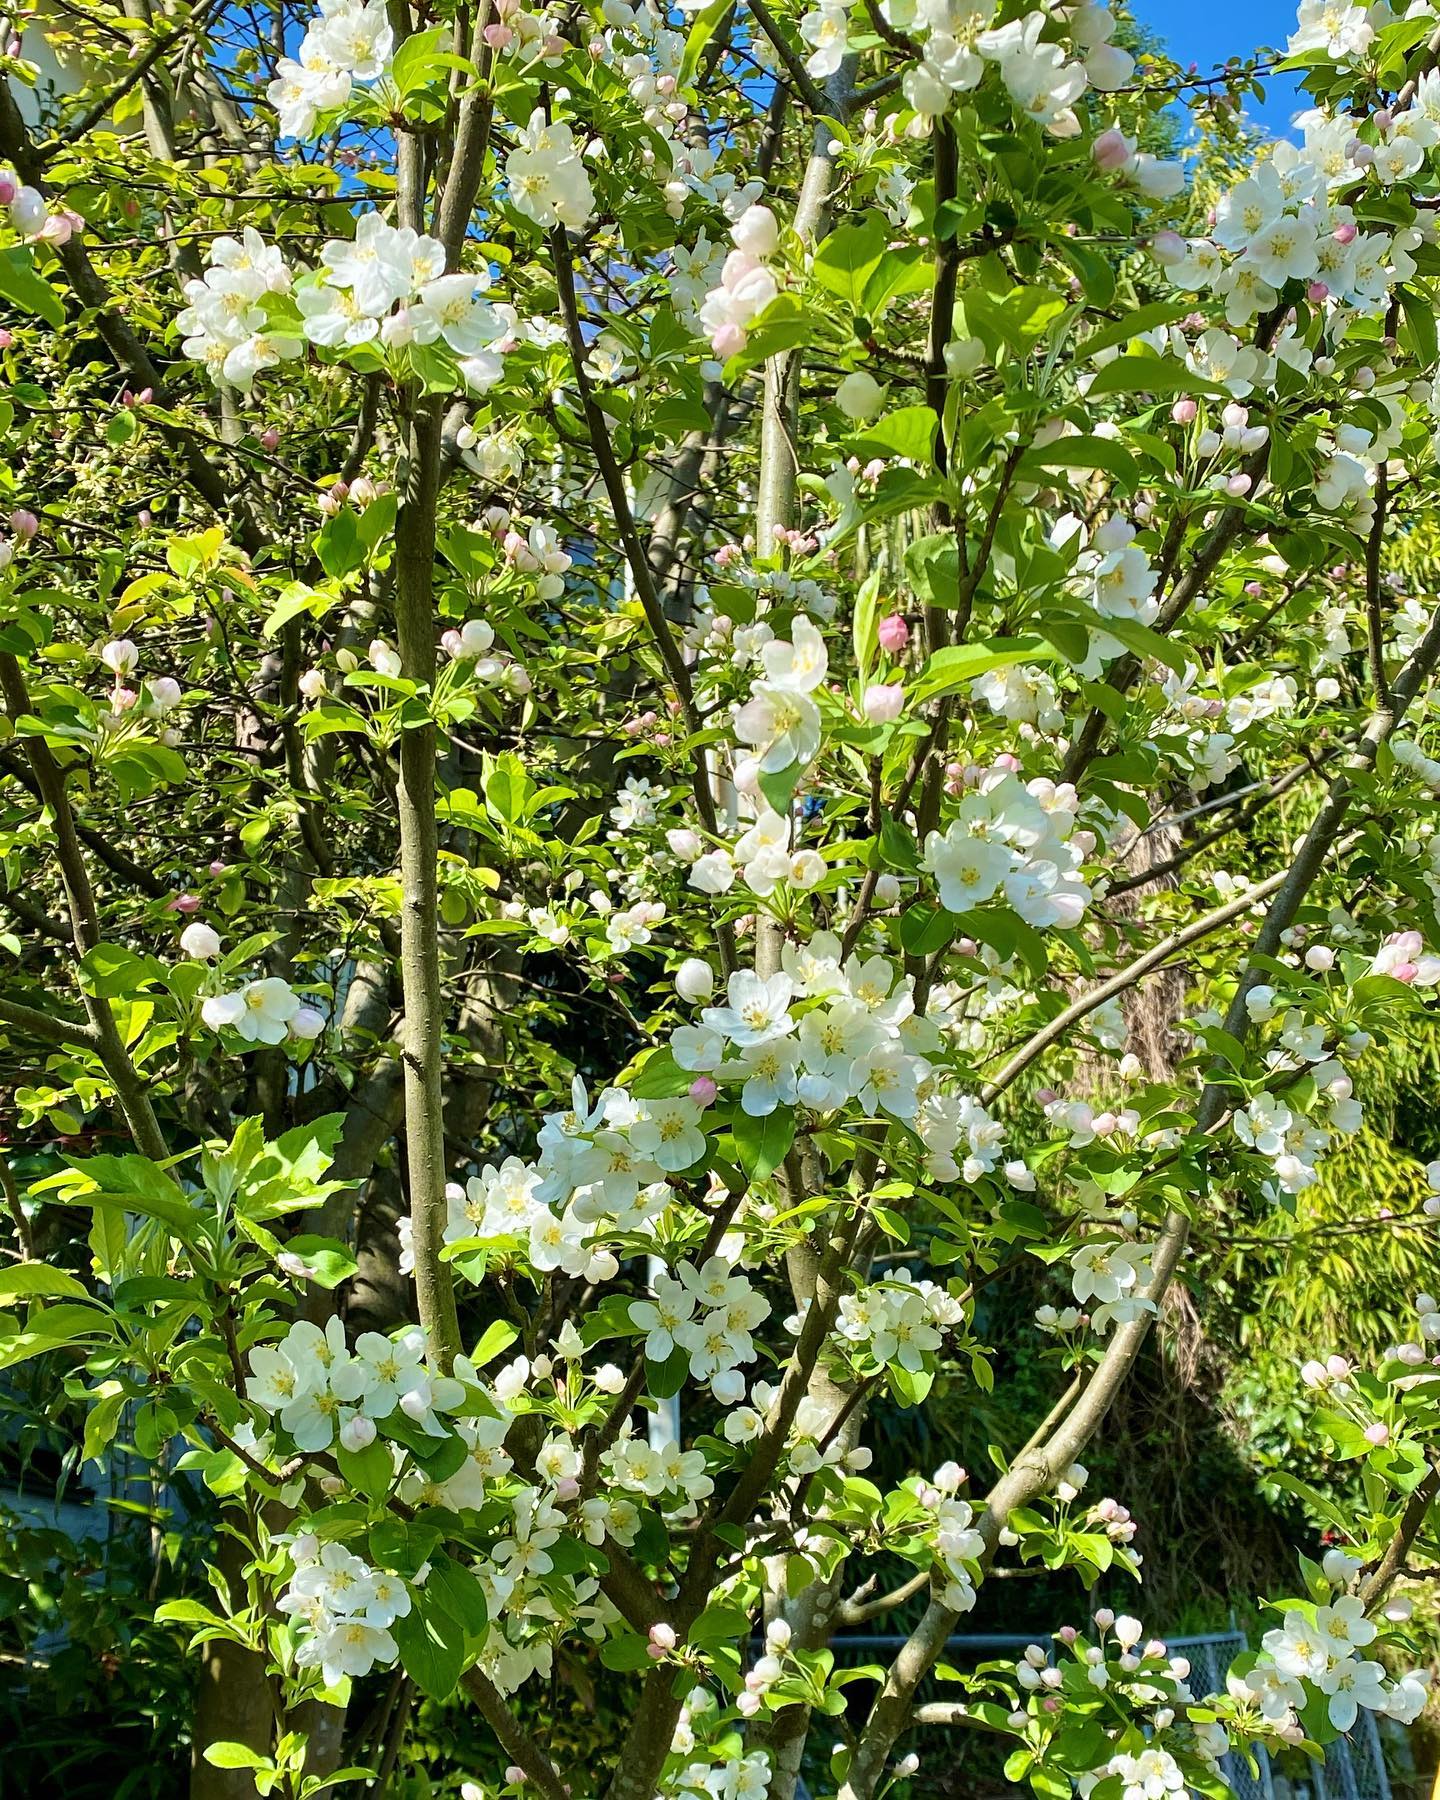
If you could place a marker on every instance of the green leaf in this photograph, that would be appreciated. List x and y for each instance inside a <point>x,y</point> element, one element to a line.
<point>101,1424</point>
<point>423,56</point>
<point>932,565</point>
<point>1138,320</point>
<point>897,846</point>
<point>925,929</point>
<point>339,545</point>
<point>948,670</point>
<point>1141,641</point>
<point>762,1144</point>
<point>327,1262</point>
<point>137,1184</point>
<point>296,597</point>
<point>663,1379</point>
<point>706,24</point>
<point>910,433</point>
<point>720,1623</point>
<point>850,257</point>
<point>431,1645</point>
<point>53,1326</point>
<point>1146,373</point>
<point>866,623</point>
<point>454,1588</point>
<point>110,971</point>
<point>660,1077</point>
<point>496,1338</point>
<point>235,1756</point>
<point>369,1471</point>
<point>34,1278</point>
<point>20,284</point>
<point>1083,453</point>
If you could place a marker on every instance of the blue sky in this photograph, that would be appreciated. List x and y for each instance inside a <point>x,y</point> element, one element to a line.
<point>1207,31</point>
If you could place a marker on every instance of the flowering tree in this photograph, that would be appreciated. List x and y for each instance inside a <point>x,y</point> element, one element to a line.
<point>789,552</point>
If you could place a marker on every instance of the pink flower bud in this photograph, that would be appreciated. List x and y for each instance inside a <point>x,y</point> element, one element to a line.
<point>662,1640</point>
<point>893,633</point>
<point>703,1091</point>
<point>24,524</point>
<point>1238,485</point>
<point>1346,233</point>
<point>184,903</point>
<point>728,340</point>
<point>1067,1634</point>
<point>218,868</point>
<point>1183,411</point>
<point>883,702</point>
<point>515,1775</point>
<point>9,187</point>
<point>1112,150</point>
<point>566,1489</point>
<point>357,1433</point>
<point>1377,1434</point>
<point>6,340</point>
<point>1317,290</point>
<point>1168,248</point>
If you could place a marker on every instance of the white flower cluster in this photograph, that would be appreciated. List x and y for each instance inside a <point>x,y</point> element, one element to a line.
<point>1038,75</point>
<point>1017,840</point>
<point>342,1609</point>
<point>473,644</point>
<point>546,176</point>
<point>780,722</point>
<point>1321,1648</point>
<point>387,283</point>
<point>810,1443</point>
<point>951,1534</point>
<point>268,1011</point>
<point>735,1778</point>
<point>763,854</point>
<point>320,1391</point>
<point>898,1320</point>
<point>1282,223</point>
<point>1294,1141</point>
<point>225,324</point>
<point>601,1174</point>
<point>1109,1277</point>
<point>1024,695</point>
<point>659,1471</point>
<point>1403,957</point>
<point>746,285</point>
<point>863,1042</point>
<point>710,1314</point>
<point>766,1670</point>
<point>29,214</point>
<point>1119,575</point>
<point>349,41</point>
